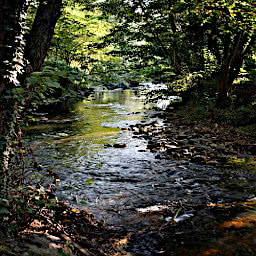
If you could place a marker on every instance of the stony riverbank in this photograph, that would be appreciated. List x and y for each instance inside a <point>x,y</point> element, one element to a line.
<point>215,228</point>
<point>203,142</point>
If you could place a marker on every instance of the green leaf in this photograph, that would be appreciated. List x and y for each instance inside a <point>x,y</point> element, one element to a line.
<point>4,210</point>
<point>18,91</point>
<point>50,205</point>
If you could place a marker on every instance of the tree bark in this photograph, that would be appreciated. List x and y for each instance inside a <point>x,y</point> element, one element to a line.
<point>39,39</point>
<point>13,71</point>
<point>222,90</point>
<point>232,62</point>
<point>12,66</point>
<point>240,51</point>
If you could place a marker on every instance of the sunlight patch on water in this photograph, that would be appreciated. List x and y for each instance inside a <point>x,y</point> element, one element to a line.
<point>86,136</point>
<point>154,208</point>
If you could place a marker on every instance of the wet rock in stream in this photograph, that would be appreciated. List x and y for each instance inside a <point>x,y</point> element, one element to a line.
<point>193,143</point>
<point>145,244</point>
<point>200,143</point>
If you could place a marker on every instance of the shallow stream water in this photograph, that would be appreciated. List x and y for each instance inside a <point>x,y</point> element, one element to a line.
<point>102,166</point>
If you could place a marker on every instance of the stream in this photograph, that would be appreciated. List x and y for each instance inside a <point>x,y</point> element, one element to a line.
<point>105,168</point>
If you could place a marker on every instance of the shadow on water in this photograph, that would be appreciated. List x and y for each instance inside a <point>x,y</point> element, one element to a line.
<point>127,186</point>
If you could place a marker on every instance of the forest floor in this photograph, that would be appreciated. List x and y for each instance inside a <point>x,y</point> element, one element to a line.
<point>217,229</point>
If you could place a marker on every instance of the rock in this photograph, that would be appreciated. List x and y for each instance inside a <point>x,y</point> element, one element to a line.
<point>171,148</point>
<point>183,142</point>
<point>252,148</point>
<point>195,136</point>
<point>136,129</point>
<point>120,145</point>
<point>182,136</point>
<point>176,155</point>
<point>222,159</point>
<point>186,152</point>
<point>201,148</point>
<point>198,159</point>
<point>108,146</point>
<point>212,162</point>
<point>146,129</point>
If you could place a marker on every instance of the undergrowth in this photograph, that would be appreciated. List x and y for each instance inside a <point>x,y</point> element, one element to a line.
<point>241,111</point>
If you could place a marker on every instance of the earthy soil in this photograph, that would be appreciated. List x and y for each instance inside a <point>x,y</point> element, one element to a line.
<point>61,230</point>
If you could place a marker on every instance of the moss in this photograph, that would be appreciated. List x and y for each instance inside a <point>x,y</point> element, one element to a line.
<point>248,164</point>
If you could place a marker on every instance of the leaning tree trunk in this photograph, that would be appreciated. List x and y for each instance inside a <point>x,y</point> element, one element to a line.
<point>242,48</point>
<point>12,66</point>
<point>40,37</point>
<point>232,63</point>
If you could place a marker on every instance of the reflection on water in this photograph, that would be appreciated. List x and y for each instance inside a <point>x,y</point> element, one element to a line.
<point>96,121</point>
<point>78,148</point>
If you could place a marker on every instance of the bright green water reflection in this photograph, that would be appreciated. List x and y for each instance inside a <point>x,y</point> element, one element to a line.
<point>98,120</point>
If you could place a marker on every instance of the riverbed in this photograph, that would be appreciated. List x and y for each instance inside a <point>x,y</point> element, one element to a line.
<point>106,168</point>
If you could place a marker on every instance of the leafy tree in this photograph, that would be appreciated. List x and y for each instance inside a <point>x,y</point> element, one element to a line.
<point>185,35</point>
<point>70,37</point>
<point>76,31</point>
<point>151,33</point>
<point>18,58</point>
<point>12,69</point>
<point>229,33</point>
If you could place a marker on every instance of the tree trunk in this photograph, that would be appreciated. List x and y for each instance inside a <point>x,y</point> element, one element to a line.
<point>12,63</point>
<point>222,91</point>
<point>13,71</point>
<point>240,51</point>
<point>233,61</point>
<point>40,37</point>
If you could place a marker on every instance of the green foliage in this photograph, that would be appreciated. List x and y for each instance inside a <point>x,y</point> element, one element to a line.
<point>242,163</point>
<point>201,104</point>
<point>185,36</point>
<point>187,82</point>
<point>75,32</point>
<point>61,253</point>
<point>23,206</point>
<point>55,83</point>
<point>250,67</point>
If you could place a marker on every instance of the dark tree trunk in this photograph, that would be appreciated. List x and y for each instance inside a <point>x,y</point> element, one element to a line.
<point>232,62</point>
<point>176,60</point>
<point>13,71</point>
<point>39,39</point>
<point>222,90</point>
<point>240,51</point>
<point>12,66</point>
